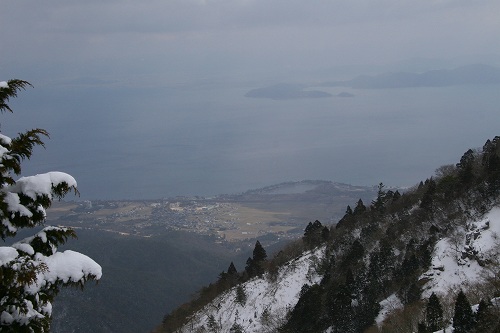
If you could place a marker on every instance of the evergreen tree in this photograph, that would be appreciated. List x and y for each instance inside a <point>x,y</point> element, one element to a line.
<point>396,196</point>
<point>31,270</point>
<point>213,327</point>
<point>381,265</point>
<point>427,201</point>
<point>346,218</point>
<point>465,167</point>
<point>409,265</point>
<point>222,277</point>
<point>482,311</point>
<point>308,230</point>
<point>360,208</point>
<point>434,314</point>
<point>343,312</point>
<point>315,233</point>
<point>241,296</point>
<point>325,234</point>
<point>255,265</point>
<point>250,267</point>
<point>368,307</point>
<point>486,318</point>
<point>306,316</point>
<point>412,293</point>
<point>354,254</point>
<point>236,328</point>
<point>463,319</point>
<point>491,165</point>
<point>375,269</point>
<point>229,279</point>
<point>259,254</point>
<point>232,269</point>
<point>378,204</point>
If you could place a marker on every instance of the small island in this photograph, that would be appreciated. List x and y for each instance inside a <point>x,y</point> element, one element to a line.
<point>283,91</point>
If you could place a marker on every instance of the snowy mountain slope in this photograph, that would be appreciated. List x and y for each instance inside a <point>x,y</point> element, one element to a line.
<point>458,261</point>
<point>267,300</point>
<point>404,263</point>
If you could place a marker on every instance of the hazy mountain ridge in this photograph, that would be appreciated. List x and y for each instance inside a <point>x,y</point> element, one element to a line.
<point>464,75</point>
<point>473,74</point>
<point>383,263</point>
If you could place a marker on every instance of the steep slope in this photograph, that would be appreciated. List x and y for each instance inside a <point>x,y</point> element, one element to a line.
<point>396,265</point>
<point>466,260</point>
<point>459,261</point>
<point>267,299</point>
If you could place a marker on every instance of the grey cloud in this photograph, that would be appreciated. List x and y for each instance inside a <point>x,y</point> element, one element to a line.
<point>183,35</point>
<point>193,15</point>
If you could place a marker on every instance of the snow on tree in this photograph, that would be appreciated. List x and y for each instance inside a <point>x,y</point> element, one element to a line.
<point>32,271</point>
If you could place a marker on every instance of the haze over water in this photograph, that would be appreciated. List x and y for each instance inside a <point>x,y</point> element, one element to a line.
<point>145,99</point>
<point>207,138</point>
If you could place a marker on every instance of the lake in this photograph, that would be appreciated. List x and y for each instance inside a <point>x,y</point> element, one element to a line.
<point>207,138</point>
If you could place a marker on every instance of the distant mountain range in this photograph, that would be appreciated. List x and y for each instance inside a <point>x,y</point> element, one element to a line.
<point>477,74</point>
<point>465,75</point>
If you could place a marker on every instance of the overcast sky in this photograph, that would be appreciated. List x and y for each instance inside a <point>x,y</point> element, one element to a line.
<point>94,65</point>
<point>183,39</point>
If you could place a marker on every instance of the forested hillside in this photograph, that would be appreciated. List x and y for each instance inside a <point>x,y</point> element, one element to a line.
<point>408,261</point>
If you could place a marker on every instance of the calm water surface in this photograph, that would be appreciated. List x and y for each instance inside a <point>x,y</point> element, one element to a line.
<point>143,143</point>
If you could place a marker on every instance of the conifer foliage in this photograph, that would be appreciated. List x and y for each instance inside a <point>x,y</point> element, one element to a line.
<point>486,318</point>
<point>434,314</point>
<point>463,320</point>
<point>315,233</point>
<point>255,265</point>
<point>31,270</point>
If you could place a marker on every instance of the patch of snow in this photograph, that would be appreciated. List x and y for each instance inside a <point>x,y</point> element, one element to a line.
<point>3,151</point>
<point>4,84</point>
<point>387,306</point>
<point>14,204</point>
<point>4,139</point>
<point>457,260</point>
<point>7,254</point>
<point>67,266</point>
<point>275,297</point>
<point>42,184</point>
<point>9,225</point>
<point>24,247</point>
<point>23,317</point>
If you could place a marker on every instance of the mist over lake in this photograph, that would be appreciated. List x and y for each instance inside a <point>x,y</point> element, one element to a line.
<point>207,138</point>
